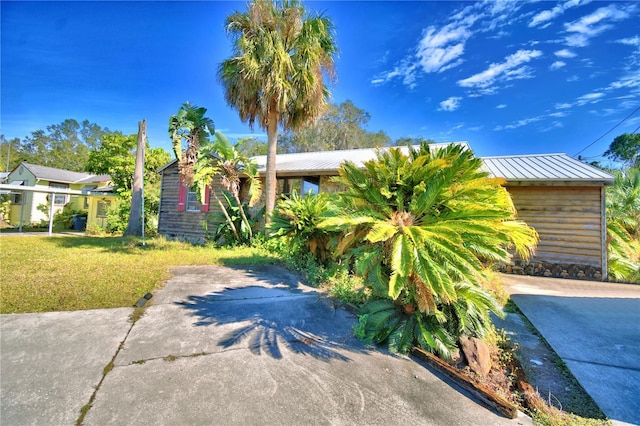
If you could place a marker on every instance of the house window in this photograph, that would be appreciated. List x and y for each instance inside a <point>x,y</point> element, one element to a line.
<point>310,184</point>
<point>301,185</point>
<point>59,199</point>
<point>193,205</point>
<point>103,208</point>
<point>16,197</point>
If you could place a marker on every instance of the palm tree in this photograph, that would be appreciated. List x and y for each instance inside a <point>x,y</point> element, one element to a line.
<point>190,124</point>
<point>420,226</point>
<point>223,159</point>
<point>275,76</point>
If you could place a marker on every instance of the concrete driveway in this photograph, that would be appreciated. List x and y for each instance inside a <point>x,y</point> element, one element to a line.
<point>595,328</point>
<point>219,345</point>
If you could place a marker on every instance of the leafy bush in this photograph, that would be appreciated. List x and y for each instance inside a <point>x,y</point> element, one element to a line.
<point>5,207</point>
<point>298,217</point>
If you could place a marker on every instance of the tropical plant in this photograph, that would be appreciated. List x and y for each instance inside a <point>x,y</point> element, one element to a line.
<point>191,125</point>
<point>229,227</point>
<point>419,226</point>
<point>275,76</point>
<point>221,159</point>
<point>298,216</point>
<point>623,226</point>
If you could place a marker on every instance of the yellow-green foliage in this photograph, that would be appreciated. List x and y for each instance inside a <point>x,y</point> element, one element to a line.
<point>41,274</point>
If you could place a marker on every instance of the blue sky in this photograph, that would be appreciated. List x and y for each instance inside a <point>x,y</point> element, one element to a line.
<point>509,77</point>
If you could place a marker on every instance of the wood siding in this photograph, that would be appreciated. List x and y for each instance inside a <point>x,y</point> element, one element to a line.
<point>184,225</point>
<point>568,221</point>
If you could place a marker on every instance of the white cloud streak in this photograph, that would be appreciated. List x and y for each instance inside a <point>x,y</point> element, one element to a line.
<point>631,41</point>
<point>543,18</point>
<point>512,68</point>
<point>565,53</point>
<point>442,47</point>
<point>581,31</point>
<point>439,49</point>
<point>557,65</point>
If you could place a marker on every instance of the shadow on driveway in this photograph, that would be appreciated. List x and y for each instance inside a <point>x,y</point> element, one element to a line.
<point>266,318</point>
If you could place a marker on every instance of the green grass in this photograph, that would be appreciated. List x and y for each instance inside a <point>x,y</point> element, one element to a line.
<point>68,273</point>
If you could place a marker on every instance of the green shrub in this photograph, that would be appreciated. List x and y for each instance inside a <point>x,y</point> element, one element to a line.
<point>298,217</point>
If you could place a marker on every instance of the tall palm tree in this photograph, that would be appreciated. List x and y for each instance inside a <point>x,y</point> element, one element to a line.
<point>275,76</point>
<point>420,226</point>
<point>190,124</point>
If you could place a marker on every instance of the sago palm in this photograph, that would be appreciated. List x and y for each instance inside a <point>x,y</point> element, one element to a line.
<point>275,76</point>
<point>419,227</point>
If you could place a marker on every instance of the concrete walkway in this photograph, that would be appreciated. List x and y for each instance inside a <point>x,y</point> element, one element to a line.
<point>595,328</point>
<point>218,346</point>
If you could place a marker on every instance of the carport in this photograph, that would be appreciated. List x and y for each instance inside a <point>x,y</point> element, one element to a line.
<point>19,189</point>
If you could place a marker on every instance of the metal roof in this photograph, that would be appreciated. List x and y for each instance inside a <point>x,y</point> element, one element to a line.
<point>544,168</point>
<point>515,169</point>
<point>65,176</point>
<point>330,161</point>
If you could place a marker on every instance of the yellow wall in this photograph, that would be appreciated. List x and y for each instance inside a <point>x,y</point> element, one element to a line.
<point>31,200</point>
<point>94,201</point>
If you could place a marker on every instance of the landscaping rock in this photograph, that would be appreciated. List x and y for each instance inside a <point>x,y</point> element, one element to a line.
<point>477,354</point>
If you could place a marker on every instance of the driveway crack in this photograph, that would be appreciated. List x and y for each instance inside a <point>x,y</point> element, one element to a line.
<point>137,314</point>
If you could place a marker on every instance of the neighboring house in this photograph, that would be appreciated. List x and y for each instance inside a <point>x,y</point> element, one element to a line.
<point>562,198</point>
<point>32,186</point>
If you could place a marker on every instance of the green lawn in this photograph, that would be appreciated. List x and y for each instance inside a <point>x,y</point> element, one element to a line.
<point>65,273</point>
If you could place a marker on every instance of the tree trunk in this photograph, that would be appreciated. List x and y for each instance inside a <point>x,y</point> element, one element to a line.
<point>271,183</point>
<point>135,215</point>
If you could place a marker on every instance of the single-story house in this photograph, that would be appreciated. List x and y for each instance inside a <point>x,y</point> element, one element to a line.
<point>562,198</point>
<point>31,186</point>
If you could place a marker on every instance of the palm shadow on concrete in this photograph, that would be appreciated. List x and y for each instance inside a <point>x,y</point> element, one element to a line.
<point>277,315</point>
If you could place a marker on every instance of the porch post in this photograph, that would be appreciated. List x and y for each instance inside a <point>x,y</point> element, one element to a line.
<point>51,200</point>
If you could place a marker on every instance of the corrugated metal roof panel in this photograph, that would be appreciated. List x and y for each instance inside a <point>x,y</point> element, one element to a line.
<point>325,161</point>
<point>543,167</point>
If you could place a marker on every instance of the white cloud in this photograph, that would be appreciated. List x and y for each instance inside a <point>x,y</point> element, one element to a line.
<point>547,15</point>
<point>565,53</point>
<point>554,125</point>
<point>590,26</point>
<point>441,47</point>
<point>557,65</point>
<point>631,41</point>
<point>404,70</point>
<point>511,69</point>
<point>592,98</point>
<point>559,114</point>
<point>501,106</point>
<point>451,104</point>
<point>563,106</point>
<point>519,123</point>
